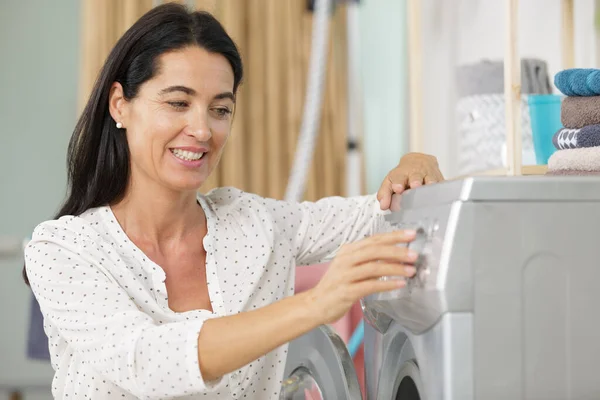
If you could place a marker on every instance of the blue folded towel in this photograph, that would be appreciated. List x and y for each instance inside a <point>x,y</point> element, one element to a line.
<point>588,136</point>
<point>578,82</point>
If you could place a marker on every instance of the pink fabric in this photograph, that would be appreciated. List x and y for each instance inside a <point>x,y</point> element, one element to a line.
<point>306,278</point>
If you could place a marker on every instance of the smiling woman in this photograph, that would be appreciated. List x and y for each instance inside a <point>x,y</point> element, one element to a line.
<point>150,290</point>
<point>178,123</point>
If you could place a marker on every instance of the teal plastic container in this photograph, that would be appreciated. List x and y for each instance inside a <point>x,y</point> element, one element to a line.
<point>544,111</point>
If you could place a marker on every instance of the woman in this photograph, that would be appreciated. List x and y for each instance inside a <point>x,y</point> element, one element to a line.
<point>149,290</point>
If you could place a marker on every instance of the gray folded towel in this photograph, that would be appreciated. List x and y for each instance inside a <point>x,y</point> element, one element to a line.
<point>565,138</point>
<point>588,136</point>
<point>487,77</point>
<point>577,112</point>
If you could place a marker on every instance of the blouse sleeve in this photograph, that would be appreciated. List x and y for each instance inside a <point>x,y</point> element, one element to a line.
<point>318,229</point>
<point>90,311</point>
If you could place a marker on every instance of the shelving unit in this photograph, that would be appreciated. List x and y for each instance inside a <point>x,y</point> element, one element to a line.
<point>512,81</point>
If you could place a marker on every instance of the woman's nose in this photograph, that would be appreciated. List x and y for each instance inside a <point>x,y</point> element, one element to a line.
<point>199,127</point>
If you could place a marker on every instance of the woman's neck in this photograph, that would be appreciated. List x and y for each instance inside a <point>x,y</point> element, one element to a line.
<point>161,217</point>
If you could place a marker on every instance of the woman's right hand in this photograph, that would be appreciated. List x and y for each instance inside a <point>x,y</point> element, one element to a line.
<point>355,271</point>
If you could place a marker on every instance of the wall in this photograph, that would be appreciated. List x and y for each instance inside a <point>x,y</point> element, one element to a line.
<point>454,33</point>
<point>38,77</point>
<point>466,31</point>
<point>384,78</point>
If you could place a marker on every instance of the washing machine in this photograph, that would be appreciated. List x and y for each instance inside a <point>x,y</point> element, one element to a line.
<point>504,304</point>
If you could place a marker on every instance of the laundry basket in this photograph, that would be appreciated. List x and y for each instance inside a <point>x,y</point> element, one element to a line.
<point>482,133</point>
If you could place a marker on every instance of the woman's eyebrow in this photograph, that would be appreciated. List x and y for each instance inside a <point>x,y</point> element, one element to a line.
<point>178,88</point>
<point>225,95</point>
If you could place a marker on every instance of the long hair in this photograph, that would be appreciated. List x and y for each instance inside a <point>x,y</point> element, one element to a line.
<point>98,162</point>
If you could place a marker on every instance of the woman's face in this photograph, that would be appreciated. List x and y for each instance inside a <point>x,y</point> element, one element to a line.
<point>178,124</point>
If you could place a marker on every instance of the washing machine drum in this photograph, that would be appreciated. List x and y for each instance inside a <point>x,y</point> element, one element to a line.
<point>406,385</point>
<point>398,377</point>
<point>319,367</point>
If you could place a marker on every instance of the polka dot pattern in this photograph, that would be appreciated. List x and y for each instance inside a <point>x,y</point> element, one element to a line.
<point>105,304</point>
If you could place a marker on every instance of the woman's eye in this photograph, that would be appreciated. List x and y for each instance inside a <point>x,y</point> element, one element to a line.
<point>179,105</point>
<point>222,112</point>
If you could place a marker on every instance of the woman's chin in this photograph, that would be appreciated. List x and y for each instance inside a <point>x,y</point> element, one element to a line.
<point>183,179</point>
<point>186,184</point>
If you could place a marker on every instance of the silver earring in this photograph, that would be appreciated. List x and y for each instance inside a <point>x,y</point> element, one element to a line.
<point>119,125</point>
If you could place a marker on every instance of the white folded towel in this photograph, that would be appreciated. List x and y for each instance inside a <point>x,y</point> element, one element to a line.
<point>582,159</point>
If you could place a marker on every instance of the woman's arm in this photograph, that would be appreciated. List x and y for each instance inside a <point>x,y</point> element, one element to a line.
<point>318,229</point>
<point>78,296</point>
<point>228,343</point>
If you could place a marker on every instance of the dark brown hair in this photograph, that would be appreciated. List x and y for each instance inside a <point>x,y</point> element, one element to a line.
<point>98,153</point>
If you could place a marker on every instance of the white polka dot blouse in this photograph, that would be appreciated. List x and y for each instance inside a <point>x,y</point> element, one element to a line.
<point>111,332</point>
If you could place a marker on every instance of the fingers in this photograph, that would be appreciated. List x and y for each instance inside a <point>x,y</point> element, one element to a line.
<point>375,270</point>
<point>391,253</point>
<point>415,179</point>
<point>387,253</point>
<point>398,187</point>
<point>434,177</point>
<point>430,180</point>
<point>394,183</point>
<point>398,180</point>
<point>384,195</point>
<point>365,288</point>
<point>388,238</point>
<point>436,172</point>
<point>439,176</point>
<point>385,199</point>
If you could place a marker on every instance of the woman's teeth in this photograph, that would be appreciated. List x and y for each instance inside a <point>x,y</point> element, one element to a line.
<point>187,155</point>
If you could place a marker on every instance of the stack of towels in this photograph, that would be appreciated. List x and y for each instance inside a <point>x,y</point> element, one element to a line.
<point>578,142</point>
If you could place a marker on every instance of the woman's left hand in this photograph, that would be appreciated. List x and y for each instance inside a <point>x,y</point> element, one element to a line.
<point>414,170</point>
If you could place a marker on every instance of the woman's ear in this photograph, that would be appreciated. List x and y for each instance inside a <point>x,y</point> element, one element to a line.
<point>117,105</point>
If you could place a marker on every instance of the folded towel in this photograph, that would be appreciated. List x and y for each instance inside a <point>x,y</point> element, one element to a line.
<point>588,136</point>
<point>577,112</point>
<point>565,138</point>
<point>585,159</point>
<point>572,172</point>
<point>578,82</point>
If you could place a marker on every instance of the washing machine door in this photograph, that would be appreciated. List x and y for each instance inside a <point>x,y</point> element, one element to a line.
<point>319,367</point>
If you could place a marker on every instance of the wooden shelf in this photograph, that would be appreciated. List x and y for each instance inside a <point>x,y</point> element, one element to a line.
<point>512,80</point>
<point>525,170</point>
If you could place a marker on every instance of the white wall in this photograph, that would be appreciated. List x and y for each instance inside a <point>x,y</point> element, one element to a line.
<point>465,31</point>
